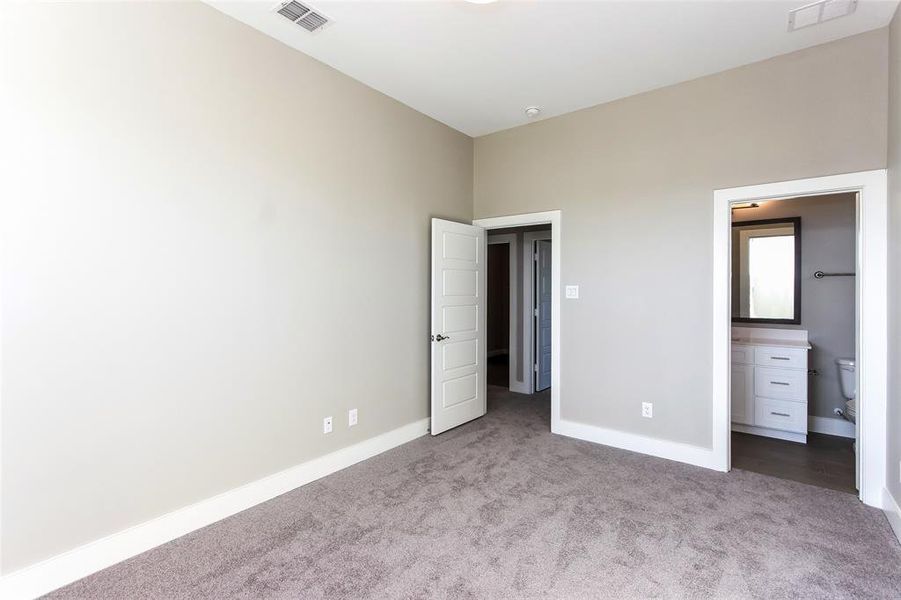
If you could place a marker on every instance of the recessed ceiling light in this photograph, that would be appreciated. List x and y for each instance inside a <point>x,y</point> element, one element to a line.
<point>481,1</point>
<point>532,112</point>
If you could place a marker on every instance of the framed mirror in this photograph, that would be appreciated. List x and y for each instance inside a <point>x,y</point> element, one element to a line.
<point>766,271</point>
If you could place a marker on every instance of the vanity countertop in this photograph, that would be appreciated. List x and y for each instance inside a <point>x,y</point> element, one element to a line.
<point>744,341</point>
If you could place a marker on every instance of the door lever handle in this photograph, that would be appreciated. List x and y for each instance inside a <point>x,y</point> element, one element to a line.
<point>441,338</point>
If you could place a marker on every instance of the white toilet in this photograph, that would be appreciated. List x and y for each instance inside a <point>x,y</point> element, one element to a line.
<point>848,377</point>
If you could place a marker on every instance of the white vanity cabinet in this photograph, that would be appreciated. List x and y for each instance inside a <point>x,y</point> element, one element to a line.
<point>769,382</point>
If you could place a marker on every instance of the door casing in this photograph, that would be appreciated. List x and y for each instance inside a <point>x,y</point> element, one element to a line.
<point>553,218</point>
<point>872,313</point>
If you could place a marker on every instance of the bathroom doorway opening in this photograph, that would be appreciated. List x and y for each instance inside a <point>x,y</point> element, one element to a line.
<point>794,337</point>
<point>761,350</point>
<point>523,319</point>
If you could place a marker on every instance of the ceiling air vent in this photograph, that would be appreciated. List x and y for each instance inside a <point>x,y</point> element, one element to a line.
<point>819,12</point>
<point>302,15</point>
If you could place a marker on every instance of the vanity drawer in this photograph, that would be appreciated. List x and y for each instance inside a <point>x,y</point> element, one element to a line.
<point>786,384</point>
<point>743,355</point>
<point>785,358</point>
<point>780,414</point>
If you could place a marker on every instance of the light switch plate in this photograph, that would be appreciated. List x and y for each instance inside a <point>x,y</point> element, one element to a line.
<point>572,292</point>
<point>352,417</point>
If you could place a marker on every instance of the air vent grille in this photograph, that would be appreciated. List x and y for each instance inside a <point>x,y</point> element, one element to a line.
<point>312,21</point>
<point>302,15</point>
<point>819,12</point>
<point>293,10</point>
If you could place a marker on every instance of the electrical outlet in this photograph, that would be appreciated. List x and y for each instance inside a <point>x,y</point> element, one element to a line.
<point>352,417</point>
<point>647,410</point>
<point>327,425</point>
<point>572,292</point>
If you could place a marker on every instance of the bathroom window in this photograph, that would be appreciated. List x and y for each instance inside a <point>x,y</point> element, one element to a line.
<point>766,284</point>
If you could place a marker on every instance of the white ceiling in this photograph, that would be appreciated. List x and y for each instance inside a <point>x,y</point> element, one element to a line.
<point>476,67</point>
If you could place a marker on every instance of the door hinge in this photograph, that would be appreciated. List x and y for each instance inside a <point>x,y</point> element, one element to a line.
<point>535,367</point>
<point>535,257</point>
<point>535,312</point>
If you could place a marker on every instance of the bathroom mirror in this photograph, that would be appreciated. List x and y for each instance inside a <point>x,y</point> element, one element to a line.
<point>766,271</point>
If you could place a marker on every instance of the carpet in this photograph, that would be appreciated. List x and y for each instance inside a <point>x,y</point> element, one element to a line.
<point>501,508</point>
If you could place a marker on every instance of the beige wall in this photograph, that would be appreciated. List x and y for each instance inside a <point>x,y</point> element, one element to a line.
<point>209,243</point>
<point>635,180</point>
<point>894,177</point>
<point>828,236</point>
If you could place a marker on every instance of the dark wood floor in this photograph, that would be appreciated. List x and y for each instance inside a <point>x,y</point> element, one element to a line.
<point>826,461</point>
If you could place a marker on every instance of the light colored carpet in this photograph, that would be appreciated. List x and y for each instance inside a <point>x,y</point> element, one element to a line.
<point>501,508</point>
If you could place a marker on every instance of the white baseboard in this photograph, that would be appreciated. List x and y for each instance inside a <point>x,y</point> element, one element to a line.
<point>789,436</point>
<point>684,453</point>
<point>839,427</point>
<point>892,512</point>
<point>55,572</point>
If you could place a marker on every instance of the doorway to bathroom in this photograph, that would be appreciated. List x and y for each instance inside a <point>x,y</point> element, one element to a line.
<point>793,343</point>
<point>799,308</point>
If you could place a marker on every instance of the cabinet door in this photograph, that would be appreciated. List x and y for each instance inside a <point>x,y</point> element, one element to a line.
<point>743,394</point>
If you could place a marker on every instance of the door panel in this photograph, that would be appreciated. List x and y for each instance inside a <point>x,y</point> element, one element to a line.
<point>460,354</point>
<point>458,366</point>
<point>461,283</point>
<point>458,319</point>
<point>544,298</point>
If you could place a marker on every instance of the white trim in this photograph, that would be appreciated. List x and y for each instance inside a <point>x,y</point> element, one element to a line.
<point>684,453</point>
<point>829,426</point>
<point>872,300</point>
<point>554,218</point>
<point>513,343</point>
<point>528,301</point>
<point>65,568</point>
<point>892,512</point>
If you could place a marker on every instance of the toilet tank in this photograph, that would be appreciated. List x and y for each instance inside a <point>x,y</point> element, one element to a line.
<point>847,374</point>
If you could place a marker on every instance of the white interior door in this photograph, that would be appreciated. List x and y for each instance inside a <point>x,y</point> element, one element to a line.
<point>458,324</point>
<point>543,317</point>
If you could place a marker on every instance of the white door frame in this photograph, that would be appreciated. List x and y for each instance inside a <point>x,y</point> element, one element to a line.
<point>528,298</point>
<point>513,342</point>
<point>554,219</point>
<point>872,307</point>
